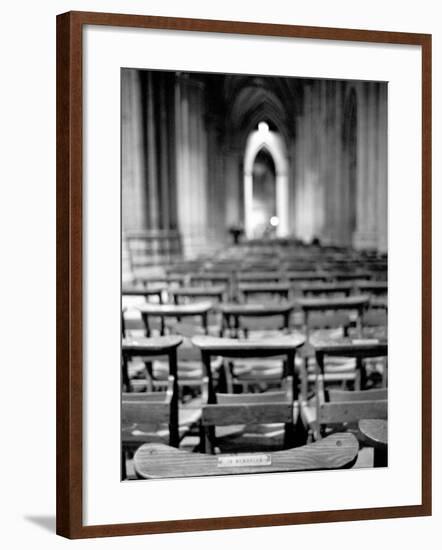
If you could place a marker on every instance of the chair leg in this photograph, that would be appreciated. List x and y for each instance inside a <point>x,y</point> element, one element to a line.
<point>304,380</point>
<point>202,443</point>
<point>289,436</point>
<point>357,381</point>
<point>384,374</point>
<point>209,439</point>
<point>300,432</point>
<point>227,370</point>
<point>123,465</point>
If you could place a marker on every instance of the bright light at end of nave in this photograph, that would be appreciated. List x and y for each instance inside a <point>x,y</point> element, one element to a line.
<point>263,127</point>
<point>274,221</point>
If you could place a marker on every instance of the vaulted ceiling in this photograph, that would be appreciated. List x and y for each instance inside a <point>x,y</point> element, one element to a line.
<point>252,99</point>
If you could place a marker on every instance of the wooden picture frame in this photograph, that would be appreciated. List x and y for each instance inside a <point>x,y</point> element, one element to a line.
<point>70,272</point>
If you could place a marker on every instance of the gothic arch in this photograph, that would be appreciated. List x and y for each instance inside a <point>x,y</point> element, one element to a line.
<point>274,144</point>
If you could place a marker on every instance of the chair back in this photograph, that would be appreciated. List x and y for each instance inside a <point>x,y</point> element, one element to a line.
<point>328,322</point>
<point>350,406</point>
<point>250,409</point>
<point>146,410</point>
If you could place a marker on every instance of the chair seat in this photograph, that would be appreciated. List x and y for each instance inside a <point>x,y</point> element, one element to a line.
<point>143,432</point>
<point>335,376</point>
<point>261,374</point>
<point>272,322</point>
<point>258,369</point>
<point>191,328</point>
<point>187,370</point>
<point>334,365</point>
<point>308,350</point>
<point>251,438</point>
<point>270,333</point>
<point>269,438</point>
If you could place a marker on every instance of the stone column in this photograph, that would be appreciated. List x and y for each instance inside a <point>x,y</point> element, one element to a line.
<point>191,165</point>
<point>203,230</point>
<point>368,166</point>
<point>382,202</point>
<point>321,118</point>
<point>215,183</point>
<point>339,187</point>
<point>373,163</point>
<point>152,175</point>
<point>299,185</point>
<point>248,205</point>
<point>164,161</point>
<point>233,184</point>
<point>180,162</point>
<point>329,160</point>
<point>132,173</point>
<point>181,139</point>
<point>362,166</point>
<point>310,160</point>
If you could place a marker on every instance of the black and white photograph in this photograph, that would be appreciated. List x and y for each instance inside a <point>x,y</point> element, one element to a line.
<point>227,215</point>
<point>254,284</point>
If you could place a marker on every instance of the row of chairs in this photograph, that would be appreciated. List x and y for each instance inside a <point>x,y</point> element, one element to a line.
<point>147,418</point>
<point>287,402</point>
<point>242,375</point>
<point>219,290</point>
<point>283,406</point>
<point>232,278</point>
<point>360,312</point>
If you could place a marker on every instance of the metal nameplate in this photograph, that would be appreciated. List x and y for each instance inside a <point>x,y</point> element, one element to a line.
<point>238,461</point>
<point>364,341</point>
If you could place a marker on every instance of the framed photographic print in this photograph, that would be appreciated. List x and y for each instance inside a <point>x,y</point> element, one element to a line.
<point>243,274</point>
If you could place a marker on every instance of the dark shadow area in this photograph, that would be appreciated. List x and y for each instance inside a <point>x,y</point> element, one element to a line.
<point>45,522</point>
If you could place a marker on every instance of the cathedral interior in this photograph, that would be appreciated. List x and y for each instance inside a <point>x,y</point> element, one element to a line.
<point>273,157</point>
<point>254,273</point>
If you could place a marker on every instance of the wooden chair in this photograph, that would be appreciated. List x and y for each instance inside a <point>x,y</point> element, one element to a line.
<point>283,347</point>
<point>257,419</point>
<point>374,433</point>
<point>373,288</point>
<point>357,304</point>
<point>146,416</point>
<point>374,318</point>
<point>375,325</point>
<point>338,409</point>
<point>351,275</point>
<point>263,291</point>
<point>341,370</point>
<point>264,316</point>
<point>145,349</point>
<point>133,296</point>
<point>169,279</point>
<point>189,367</point>
<point>137,291</point>
<point>326,289</point>
<point>212,278</point>
<point>259,373</point>
<point>174,312</point>
<point>360,349</point>
<point>232,348</point>
<point>157,461</point>
<point>149,417</point>
<point>297,277</point>
<point>255,276</point>
<point>193,294</point>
